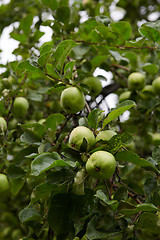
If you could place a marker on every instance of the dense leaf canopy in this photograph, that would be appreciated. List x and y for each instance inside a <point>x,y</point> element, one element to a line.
<point>51,194</point>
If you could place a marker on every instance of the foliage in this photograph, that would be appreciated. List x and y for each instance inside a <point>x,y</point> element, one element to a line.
<point>51,195</point>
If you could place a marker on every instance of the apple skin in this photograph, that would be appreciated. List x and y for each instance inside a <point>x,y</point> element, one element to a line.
<point>78,134</point>
<point>3,124</point>
<point>124,96</point>
<point>101,165</point>
<point>147,92</point>
<point>156,85</point>
<point>4,183</point>
<point>94,84</point>
<point>20,107</point>
<point>136,81</point>
<point>105,135</point>
<point>72,100</point>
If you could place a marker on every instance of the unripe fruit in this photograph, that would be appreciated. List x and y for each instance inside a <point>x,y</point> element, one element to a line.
<point>4,183</point>
<point>147,92</point>
<point>72,100</point>
<point>3,125</point>
<point>78,185</point>
<point>94,85</point>
<point>156,85</point>
<point>20,107</point>
<point>136,81</point>
<point>78,134</point>
<point>101,165</point>
<point>156,138</point>
<point>124,96</point>
<point>105,135</point>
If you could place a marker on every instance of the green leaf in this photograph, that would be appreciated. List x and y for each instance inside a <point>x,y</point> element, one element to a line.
<point>44,58</point>
<point>15,172</point>
<point>150,33</point>
<point>29,137</point>
<point>119,110</point>
<point>94,117</point>
<point>156,154</point>
<point>29,214</point>
<point>16,185</point>
<point>148,222</point>
<point>47,161</point>
<point>62,51</point>
<point>117,56</point>
<point>26,65</point>
<point>43,191</point>
<point>63,14</point>
<point>22,38</point>
<point>21,155</point>
<point>122,28</point>
<point>150,68</point>
<point>128,156</point>
<point>54,120</point>
<point>92,233</point>
<point>60,214</point>
<point>51,71</point>
<point>52,4</point>
<point>113,203</point>
<point>130,209</point>
<point>26,23</point>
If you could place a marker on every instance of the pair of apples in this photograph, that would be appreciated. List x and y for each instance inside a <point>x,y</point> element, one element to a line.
<point>101,164</point>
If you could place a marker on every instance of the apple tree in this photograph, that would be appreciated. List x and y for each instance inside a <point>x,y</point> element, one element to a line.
<point>80,121</point>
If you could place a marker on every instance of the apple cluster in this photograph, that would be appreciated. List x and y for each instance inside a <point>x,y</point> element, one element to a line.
<point>137,82</point>
<point>100,164</point>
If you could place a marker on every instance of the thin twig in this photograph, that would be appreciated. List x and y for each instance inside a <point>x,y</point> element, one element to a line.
<point>117,46</point>
<point>109,195</point>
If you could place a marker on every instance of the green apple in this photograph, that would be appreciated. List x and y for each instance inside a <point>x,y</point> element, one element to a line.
<point>12,124</point>
<point>156,138</point>
<point>105,135</point>
<point>72,100</point>
<point>94,85</point>
<point>3,125</point>
<point>78,185</point>
<point>41,121</point>
<point>78,134</point>
<point>20,107</point>
<point>156,85</point>
<point>124,96</point>
<point>4,183</point>
<point>147,92</point>
<point>101,165</point>
<point>136,81</point>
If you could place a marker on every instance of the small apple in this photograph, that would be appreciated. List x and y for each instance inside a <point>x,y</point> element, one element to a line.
<point>156,138</point>
<point>94,84</point>
<point>78,185</point>
<point>156,85</point>
<point>124,96</point>
<point>101,165</point>
<point>3,125</point>
<point>136,81</point>
<point>4,183</point>
<point>78,134</point>
<point>147,92</point>
<point>105,135</point>
<point>41,121</point>
<point>12,124</point>
<point>72,100</point>
<point>20,107</point>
